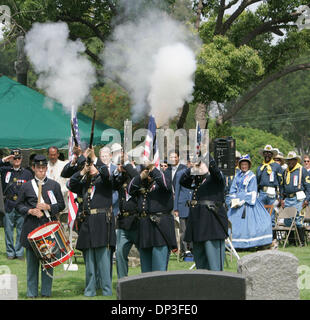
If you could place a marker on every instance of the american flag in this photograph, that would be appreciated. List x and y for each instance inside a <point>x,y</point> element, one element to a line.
<point>151,147</point>
<point>198,141</point>
<point>72,206</point>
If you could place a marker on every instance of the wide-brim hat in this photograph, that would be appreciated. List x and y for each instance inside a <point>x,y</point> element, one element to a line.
<point>116,147</point>
<point>293,155</point>
<point>245,157</point>
<point>268,148</point>
<point>279,155</point>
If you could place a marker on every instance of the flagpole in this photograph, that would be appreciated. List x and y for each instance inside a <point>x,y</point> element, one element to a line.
<point>70,266</point>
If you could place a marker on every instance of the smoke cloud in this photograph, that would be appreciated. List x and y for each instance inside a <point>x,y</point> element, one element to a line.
<point>153,58</point>
<point>64,73</point>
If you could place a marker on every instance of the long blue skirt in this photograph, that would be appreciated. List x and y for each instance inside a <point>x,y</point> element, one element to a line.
<point>251,226</point>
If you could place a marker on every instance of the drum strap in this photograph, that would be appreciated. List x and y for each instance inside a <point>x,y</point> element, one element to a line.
<point>36,190</point>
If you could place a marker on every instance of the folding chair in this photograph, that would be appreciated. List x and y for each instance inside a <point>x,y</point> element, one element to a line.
<point>306,214</point>
<point>229,251</point>
<point>269,208</point>
<point>288,212</point>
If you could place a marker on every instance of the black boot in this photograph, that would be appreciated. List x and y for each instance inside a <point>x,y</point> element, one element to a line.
<point>301,233</point>
<point>291,238</point>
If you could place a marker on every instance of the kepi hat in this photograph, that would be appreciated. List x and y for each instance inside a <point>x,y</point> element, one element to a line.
<point>16,152</point>
<point>40,160</point>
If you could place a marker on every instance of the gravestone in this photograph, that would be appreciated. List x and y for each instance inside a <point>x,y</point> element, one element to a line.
<point>182,285</point>
<point>270,275</point>
<point>133,257</point>
<point>8,287</point>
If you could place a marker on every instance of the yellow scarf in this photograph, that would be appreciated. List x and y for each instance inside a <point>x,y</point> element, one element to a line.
<point>268,165</point>
<point>288,176</point>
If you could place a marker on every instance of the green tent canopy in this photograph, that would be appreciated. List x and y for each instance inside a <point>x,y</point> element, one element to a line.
<point>29,120</point>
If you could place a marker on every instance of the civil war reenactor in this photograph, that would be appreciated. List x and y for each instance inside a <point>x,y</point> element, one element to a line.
<point>13,176</point>
<point>127,218</point>
<point>295,191</point>
<point>96,236</point>
<point>207,226</point>
<point>37,213</point>
<point>269,179</point>
<point>229,179</point>
<point>153,190</point>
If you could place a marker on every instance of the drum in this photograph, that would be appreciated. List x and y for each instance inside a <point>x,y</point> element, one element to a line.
<point>50,244</point>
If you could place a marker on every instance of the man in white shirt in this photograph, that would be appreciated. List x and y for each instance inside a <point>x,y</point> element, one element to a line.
<point>54,168</point>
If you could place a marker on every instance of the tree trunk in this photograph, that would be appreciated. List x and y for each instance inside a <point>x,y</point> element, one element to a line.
<point>200,115</point>
<point>198,18</point>
<point>21,65</point>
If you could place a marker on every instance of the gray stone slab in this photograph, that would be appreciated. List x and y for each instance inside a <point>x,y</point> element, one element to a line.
<point>182,285</point>
<point>8,287</point>
<point>270,275</point>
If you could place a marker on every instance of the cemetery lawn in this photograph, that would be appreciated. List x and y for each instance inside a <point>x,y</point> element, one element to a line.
<point>69,285</point>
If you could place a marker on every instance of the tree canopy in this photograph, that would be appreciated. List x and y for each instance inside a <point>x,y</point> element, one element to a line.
<point>239,56</point>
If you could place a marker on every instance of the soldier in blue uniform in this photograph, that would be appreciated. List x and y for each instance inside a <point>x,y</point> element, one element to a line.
<point>13,176</point>
<point>268,176</point>
<point>127,219</point>
<point>207,222</point>
<point>295,190</point>
<point>153,190</point>
<point>37,214</point>
<point>96,237</point>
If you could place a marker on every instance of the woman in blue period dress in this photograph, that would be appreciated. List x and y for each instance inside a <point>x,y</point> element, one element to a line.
<point>251,223</point>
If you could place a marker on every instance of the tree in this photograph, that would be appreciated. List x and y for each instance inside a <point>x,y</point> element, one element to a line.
<point>282,107</point>
<point>238,58</point>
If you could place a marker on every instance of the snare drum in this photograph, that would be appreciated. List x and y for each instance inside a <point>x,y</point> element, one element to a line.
<point>50,244</point>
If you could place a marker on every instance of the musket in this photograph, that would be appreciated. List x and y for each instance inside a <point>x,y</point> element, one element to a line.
<point>92,129</point>
<point>91,139</point>
<point>74,135</point>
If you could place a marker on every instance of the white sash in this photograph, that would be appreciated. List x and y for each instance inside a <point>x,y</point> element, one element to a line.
<point>36,190</point>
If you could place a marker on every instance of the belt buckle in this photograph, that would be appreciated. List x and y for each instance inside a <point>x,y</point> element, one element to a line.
<point>143,214</point>
<point>15,197</point>
<point>93,211</point>
<point>125,214</point>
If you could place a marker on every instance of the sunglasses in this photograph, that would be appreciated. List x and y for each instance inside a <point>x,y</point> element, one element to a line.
<point>17,158</point>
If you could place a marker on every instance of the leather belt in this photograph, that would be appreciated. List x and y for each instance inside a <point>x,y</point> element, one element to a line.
<point>127,213</point>
<point>14,197</point>
<point>291,195</point>
<point>158,214</point>
<point>97,211</point>
<point>193,203</point>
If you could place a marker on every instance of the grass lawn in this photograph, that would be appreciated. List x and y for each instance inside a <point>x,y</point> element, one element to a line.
<point>69,285</point>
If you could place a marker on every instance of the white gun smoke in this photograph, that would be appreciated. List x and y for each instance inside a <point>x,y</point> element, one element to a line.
<point>64,73</point>
<point>153,58</point>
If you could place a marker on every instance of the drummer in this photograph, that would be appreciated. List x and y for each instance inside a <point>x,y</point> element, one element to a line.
<point>37,214</point>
